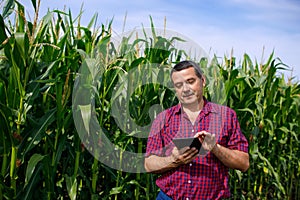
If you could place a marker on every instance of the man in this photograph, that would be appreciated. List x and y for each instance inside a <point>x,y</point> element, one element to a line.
<point>184,173</point>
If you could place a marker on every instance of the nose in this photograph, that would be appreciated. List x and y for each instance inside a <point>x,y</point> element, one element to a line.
<point>185,87</point>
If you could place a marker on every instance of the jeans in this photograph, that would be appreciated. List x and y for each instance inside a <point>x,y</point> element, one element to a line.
<point>162,196</point>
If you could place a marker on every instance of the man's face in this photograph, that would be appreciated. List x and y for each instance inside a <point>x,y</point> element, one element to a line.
<point>188,86</point>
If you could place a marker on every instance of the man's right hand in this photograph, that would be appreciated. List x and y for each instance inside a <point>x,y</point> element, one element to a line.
<point>157,164</point>
<point>184,155</point>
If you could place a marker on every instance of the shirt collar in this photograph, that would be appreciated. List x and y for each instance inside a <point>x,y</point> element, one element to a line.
<point>207,107</point>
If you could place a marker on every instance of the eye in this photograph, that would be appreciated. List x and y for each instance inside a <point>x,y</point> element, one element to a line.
<point>191,81</point>
<point>178,85</point>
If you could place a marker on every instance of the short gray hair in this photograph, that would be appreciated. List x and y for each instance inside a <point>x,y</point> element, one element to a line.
<point>187,64</point>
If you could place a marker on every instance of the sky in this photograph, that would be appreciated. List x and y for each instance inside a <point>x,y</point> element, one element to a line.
<point>255,27</point>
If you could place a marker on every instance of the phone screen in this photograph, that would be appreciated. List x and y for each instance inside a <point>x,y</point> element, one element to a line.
<point>187,142</point>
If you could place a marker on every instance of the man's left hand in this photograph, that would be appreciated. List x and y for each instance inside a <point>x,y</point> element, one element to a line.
<point>207,139</point>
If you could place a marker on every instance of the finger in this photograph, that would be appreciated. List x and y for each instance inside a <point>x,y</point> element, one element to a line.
<point>213,136</point>
<point>205,133</point>
<point>201,134</point>
<point>190,152</point>
<point>193,156</point>
<point>175,152</point>
<point>188,155</point>
<point>184,150</point>
<point>198,135</point>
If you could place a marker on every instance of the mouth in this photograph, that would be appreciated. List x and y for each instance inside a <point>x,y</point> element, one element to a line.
<point>187,95</point>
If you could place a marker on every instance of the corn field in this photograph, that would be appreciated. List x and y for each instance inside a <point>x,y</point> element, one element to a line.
<point>49,62</point>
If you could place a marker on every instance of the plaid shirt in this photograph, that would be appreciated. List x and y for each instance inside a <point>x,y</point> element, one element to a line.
<point>205,177</point>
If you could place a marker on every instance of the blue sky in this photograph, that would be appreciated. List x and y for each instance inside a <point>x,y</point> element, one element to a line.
<point>246,26</point>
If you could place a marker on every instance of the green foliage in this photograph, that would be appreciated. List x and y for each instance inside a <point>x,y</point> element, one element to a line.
<point>42,154</point>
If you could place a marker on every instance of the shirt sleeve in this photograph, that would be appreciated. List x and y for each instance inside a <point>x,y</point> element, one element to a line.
<point>237,139</point>
<point>155,143</point>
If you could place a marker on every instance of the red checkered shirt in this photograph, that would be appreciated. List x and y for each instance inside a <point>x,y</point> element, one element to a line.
<point>206,177</point>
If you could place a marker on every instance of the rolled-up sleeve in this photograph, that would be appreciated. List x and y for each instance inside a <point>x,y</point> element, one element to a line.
<point>237,139</point>
<point>155,143</point>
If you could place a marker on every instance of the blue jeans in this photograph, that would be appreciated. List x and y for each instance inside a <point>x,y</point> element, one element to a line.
<point>162,196</point>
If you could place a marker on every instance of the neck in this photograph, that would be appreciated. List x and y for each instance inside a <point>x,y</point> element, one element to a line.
<point>193,108</point>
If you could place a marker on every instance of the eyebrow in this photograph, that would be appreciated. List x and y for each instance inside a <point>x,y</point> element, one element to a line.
<point>190,79</point>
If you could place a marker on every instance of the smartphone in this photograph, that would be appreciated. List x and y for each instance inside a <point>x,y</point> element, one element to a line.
<point>187,142</point>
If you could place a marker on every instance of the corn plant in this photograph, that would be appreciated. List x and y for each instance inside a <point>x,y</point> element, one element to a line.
<point>42,151</point>
<point>38,65</point>
<point>267,107</point>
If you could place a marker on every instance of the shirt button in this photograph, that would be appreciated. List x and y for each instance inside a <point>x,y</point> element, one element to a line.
<point>189,181</point>
<point>187,198</point>
<point>192,131</point>
<point>191,164</point>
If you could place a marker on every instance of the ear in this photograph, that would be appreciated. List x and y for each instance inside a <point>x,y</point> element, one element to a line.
<point>203,81</point>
